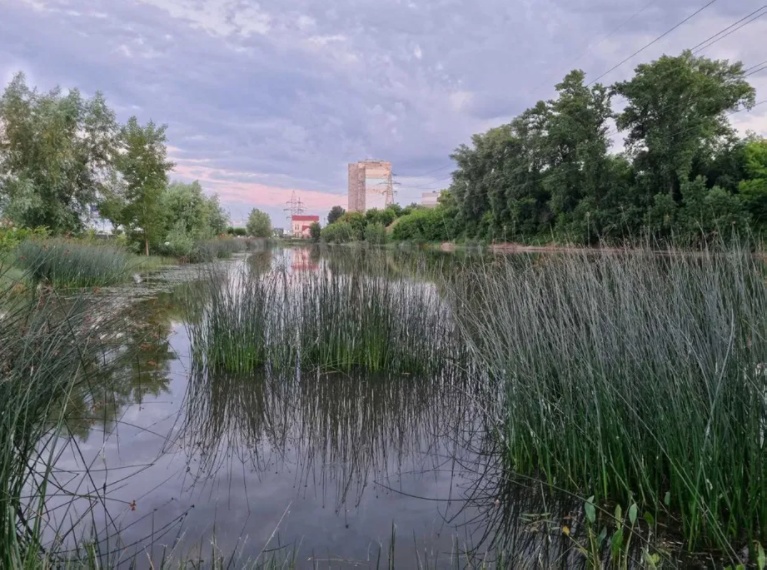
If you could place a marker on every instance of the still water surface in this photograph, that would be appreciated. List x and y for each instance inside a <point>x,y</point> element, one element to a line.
<point>325,467</point>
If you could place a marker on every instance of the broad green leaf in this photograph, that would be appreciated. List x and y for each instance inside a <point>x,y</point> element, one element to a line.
<point>633,513</point>
<point>591,512</point>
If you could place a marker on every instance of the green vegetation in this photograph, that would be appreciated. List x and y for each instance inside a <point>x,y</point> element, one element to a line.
<point>69,263</point>
<point>683,176</point>
<point>315,232</point>
<point>335,213</point>
<point>64,158</point>
<point>634,378</point>
<point>322,320</point>
<point>348,227</point>
<point>259,224</point>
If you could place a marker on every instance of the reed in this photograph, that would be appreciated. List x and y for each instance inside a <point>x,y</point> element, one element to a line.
<point>634,378</point>
<point>323,319</point>
<point>70,263</point>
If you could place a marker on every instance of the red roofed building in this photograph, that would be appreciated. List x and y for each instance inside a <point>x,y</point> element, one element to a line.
<point>300,225</point>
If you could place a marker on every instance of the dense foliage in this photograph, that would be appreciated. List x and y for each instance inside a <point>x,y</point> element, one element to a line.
<point>259,224</point>
<point>356,226</point>
<point>64,161</point>
<point>549,173</point>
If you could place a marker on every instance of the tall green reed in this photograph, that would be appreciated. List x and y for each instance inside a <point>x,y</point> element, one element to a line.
<point>323,319</point>
<point>633,377</point>
<point>71,263</point>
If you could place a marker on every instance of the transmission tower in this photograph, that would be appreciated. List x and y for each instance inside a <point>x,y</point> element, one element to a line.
<point>295,207</point>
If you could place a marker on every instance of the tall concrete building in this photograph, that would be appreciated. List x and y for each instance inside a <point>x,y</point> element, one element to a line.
<point>370,185</point>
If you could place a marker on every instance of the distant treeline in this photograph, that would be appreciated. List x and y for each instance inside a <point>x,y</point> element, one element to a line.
<point>65,161</point>
<point>549,175</point>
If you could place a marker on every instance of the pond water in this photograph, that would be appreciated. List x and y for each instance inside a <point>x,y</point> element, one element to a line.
<point>322,468</point>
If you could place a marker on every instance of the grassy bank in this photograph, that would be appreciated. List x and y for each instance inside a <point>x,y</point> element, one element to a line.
<point>638,379</point>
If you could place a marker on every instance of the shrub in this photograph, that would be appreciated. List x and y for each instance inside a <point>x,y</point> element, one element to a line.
<point>375,234</point>
<point>423,224</point>
<point>10,237</point>
<point>315,232</point>
<point>339,232</point>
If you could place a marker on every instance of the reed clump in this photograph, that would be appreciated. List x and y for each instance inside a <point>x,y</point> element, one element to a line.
<point>635,378</point>
<point>48,348</point>
<point>71,263</point>
<point>325,320</point>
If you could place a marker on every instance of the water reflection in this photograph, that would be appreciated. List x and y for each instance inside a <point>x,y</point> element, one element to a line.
<point>331,464</point>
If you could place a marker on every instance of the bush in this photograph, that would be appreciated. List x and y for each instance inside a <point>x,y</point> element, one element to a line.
<point>315,232</point>
<point>423,225</point>
<point>70,263</point>
<point>211,250</point>
<point>10,237</point>
<point>375,234</point>
<point>340,232</point>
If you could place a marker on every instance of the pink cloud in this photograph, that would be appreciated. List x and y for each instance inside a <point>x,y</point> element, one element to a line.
<point>260,195</point>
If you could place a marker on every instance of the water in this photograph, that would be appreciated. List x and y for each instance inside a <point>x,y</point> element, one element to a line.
<point>329,469</point>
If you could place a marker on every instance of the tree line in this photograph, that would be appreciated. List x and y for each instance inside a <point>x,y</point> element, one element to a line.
<point>550,173</point>
<point>65,160</point>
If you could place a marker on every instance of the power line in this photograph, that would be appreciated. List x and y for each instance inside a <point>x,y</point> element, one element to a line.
<point>705,43</point>
<point>660,37</point>
<point>591,44</point>
<point>753,66</point>
<point>762,68</point>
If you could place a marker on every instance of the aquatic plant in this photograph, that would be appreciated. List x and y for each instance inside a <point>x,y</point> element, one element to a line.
<point>325,320</point>
<point>72,263</point>
<point>636,378</point>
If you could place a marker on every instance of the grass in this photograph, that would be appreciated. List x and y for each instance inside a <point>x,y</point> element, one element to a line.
<point>47,348</point>
<point>211,250</point>
<point>634,378</point>
<point>70,263</point>
<point>324,320</point>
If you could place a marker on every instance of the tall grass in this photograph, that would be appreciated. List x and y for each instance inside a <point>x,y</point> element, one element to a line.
<point>69,263</point>
<point>47,348</point>
<point>634,378</point>
<point>325,320</point>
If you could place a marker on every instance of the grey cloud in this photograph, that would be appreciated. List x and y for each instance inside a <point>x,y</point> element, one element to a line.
<point>288,92</point>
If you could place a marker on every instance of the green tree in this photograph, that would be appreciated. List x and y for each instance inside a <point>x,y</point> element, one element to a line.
<point>57,153</point>
<point>335,213</point>
<point>136,203</point>
<point>191,211</point>
<point>677,109</point>
<point>339,232</point>
<point>315,231</point>
<point>375,233</point>
<point>259,224</point>
<point>357,221</point>
<point>753,189</point>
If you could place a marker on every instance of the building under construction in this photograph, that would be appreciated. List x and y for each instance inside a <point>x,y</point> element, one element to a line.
<point>370,185</point>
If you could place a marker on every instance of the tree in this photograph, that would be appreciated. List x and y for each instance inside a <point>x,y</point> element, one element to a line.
<point>57,153</point>
<point>143,166</point>
<point>753,190</point>
<point>189,210</point>
<point>677,109</point>
<point>335,213</point>
<point>315,231</point>
<point>259,224</point>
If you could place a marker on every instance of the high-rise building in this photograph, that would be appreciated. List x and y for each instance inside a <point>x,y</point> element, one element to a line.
<point>370,185</point>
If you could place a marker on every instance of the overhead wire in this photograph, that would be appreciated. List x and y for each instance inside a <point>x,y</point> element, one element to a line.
<point>657,39</point>
<point>705,43</point>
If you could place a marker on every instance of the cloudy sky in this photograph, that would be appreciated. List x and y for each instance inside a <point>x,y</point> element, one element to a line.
<point>266,98</point>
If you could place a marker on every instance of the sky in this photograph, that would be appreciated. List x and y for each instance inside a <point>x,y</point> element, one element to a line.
<point>264,99</point>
